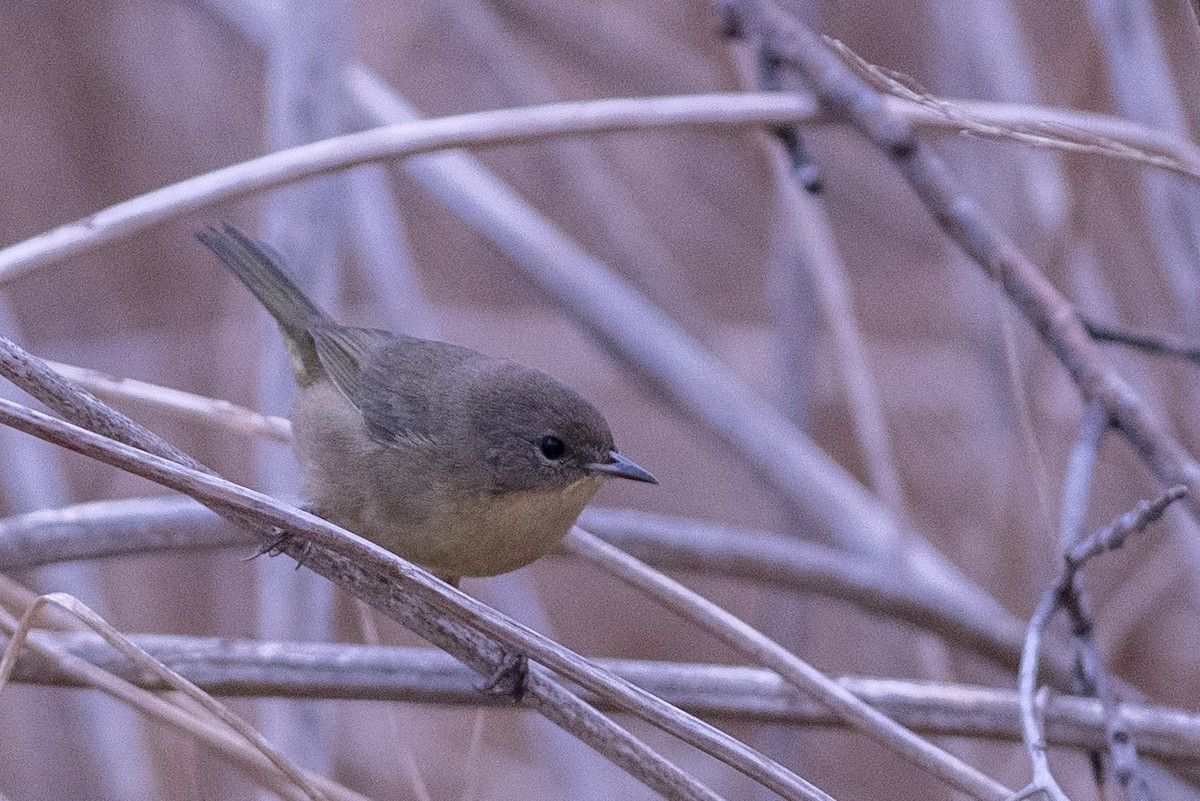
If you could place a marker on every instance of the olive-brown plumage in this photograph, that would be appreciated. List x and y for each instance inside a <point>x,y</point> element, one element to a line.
<point>465,464</point>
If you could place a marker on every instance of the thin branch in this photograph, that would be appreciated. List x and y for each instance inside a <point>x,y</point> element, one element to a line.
<point>105,529</point>
<point>508,126</point>
<point>1129,47</point>
<point>308,221</point>
<point>488,128</point>
<point>345,671</point>
<point>870,423</point>
<point>782,561</point>
<point>1089,678</point>
<point>18,636</point>
<point>216,412</point>
<point>224,742</point>
<point>1109,538</point>
<point>1041,127</point>
<point>1151,343</point>
<point>793,670</point>
<point>1081,467</point>
<point>1113,536</point>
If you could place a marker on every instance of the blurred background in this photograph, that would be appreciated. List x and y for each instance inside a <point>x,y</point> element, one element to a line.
<point>101,102</point>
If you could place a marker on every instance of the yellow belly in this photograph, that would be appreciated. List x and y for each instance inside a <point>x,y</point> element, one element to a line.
<point>489,536</point>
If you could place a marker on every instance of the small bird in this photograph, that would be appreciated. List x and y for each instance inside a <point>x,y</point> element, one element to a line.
<point>465,464</point>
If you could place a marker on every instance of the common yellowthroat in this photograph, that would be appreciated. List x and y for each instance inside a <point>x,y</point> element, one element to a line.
<point>465,464</point>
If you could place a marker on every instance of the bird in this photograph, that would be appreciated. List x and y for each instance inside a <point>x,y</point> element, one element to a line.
<point>465,464</point>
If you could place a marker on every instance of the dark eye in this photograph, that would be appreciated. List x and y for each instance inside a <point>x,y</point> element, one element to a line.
<point>552,447</point>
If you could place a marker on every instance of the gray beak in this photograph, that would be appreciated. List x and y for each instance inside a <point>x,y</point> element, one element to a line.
<point>622,468</point>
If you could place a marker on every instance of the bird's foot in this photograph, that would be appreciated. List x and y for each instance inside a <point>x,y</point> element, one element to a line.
<point>509,678</point>
<point>278,544</point>
<point>274,546</point>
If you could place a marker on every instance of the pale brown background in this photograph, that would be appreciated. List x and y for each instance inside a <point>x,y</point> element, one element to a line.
<point>99,102</point>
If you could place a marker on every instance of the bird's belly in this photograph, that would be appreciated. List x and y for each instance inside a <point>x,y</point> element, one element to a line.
<point>483,536</point>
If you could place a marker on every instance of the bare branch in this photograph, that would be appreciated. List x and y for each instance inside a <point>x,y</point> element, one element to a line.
<point>195,407</point>
<point>1061,596</point>
<point>507,126</point>
<point>345,671</point>
<point>226,743</point>
<point>1151,343</point>
<point>18,636</point>
<point>1113,536</point>
<point>1080,469</point>
<point>765,651</point>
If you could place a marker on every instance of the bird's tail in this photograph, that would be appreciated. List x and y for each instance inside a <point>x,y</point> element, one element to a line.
<point>258,267</point>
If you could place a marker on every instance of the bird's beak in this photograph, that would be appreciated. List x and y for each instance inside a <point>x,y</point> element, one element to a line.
<point>622,468</point>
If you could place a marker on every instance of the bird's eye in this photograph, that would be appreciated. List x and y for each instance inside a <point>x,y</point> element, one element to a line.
<point>552,447</point>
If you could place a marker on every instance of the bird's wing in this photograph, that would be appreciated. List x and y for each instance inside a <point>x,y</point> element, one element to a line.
<point>408,387</point>
<point>343,352</point>
<point>378,372</point>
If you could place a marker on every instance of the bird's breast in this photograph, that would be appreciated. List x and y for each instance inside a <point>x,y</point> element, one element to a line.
<point>493,534</point>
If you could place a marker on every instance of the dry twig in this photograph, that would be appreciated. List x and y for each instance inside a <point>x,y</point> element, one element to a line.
<point>795,671</point>
<point>228,744</point>
<point>1062,596</point>
<point>423,675</point>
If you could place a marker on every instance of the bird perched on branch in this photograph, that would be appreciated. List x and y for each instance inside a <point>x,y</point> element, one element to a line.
<point>465,464</point>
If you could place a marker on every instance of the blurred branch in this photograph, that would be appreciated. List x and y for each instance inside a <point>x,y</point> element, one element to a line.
<point>487,128</point>
<point>1090,678</point>
<point>760,648</point>
<point>438,612</point>
<point>18,633</point>
<point>105,529</point>
<point>1131,49</point>
<point>341,671</point>
<point>1081,468</point>
<point>1151,343</point>
<point>510,126</point>
<point>307,221</point>
<point>80,672</point>
<point>610,207</point>
<point>825,264</point>
<point>196,407</point>
<point>1061,596</point>
<point>783,561</point>
<point>1053,317</point>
